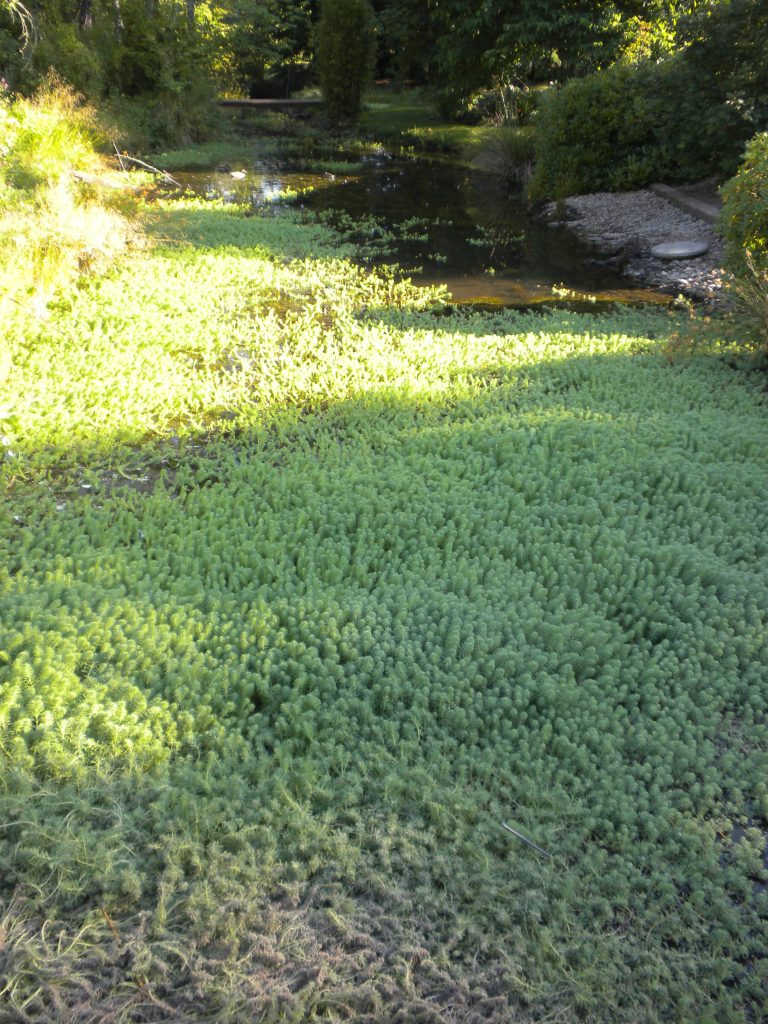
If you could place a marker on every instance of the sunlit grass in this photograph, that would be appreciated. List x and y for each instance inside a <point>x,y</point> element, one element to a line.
<point>64,212</point>
<point>412,119</point>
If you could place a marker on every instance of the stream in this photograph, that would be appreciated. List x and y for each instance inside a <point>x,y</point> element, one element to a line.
<point>439,220</point>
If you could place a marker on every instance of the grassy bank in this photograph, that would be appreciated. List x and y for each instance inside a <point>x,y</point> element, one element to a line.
<point>311,584</point>
<point>65,211</point>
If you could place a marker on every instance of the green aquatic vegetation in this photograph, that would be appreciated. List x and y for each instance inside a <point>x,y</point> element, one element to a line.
<point>491,237</point>
<point>344,167</point>
<point>376,239</point>
<point>407,572</point>
<point>258,319</point>
<point>205,155</point>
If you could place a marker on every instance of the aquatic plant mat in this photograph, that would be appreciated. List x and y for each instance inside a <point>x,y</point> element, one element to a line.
<point>309,587</point>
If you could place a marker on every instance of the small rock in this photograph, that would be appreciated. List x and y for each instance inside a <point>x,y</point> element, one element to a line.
<point>679,250</point>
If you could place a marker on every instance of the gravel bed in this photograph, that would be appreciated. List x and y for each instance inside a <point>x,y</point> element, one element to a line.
<point>624,226</point>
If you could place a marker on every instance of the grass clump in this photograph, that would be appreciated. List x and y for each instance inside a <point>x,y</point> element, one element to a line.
<point>64,211</point>
<point>509,153</point>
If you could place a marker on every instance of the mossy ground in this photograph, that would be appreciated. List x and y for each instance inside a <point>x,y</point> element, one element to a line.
<point>309,584</point>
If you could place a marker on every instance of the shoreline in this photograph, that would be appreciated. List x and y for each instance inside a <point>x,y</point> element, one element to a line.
<point>622,227</point>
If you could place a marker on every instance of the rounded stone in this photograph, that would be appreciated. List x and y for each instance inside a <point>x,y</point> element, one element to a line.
<point>679,250</point>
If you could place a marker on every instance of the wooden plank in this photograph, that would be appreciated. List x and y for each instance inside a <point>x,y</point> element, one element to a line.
<point>270,103</point>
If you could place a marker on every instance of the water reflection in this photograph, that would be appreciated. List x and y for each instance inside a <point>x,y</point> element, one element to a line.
<point>442,222</point>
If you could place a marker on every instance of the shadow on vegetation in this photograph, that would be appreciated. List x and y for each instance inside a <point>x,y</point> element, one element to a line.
<point>525,497</point>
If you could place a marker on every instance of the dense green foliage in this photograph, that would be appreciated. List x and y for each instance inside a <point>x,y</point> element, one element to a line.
<point>157,64</point>
<point>372,578</point>
<point>745,208</point>
<point>744,224</point>
<point>344,46</point>
<point>678,119</point>
<point>484,44</point>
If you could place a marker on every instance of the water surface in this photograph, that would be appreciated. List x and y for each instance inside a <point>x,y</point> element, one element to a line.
<point>440,220</point>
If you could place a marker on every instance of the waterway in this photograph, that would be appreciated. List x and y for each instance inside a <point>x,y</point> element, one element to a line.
<point>440,220</point>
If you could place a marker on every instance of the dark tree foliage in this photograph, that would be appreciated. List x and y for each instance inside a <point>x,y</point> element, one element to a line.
<point>407,35</point>
<point>344,54</point>
<point>487,43</point>
<point>727,42</point>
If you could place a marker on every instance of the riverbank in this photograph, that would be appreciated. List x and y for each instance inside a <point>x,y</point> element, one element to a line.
<point>623,227</point>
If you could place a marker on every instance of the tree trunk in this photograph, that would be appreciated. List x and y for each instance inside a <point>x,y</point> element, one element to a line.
<point>85,14</point>
<point>118,21</point>
<point>191,15</point>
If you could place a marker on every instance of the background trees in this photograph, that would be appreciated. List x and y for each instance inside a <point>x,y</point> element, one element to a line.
<point>706,58</point>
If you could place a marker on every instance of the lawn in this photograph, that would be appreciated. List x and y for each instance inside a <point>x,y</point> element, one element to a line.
<point>310,584</point>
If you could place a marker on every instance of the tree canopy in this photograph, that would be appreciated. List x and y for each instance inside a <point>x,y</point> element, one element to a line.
<point>459,48</point>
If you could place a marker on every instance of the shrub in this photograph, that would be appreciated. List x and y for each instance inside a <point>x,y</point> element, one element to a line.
<point>46,137</point>
<point>744,224</point>
<point>344,53</point>
<point>680,118</point>
<point>748,317</point>
<point>744,221</point>
<point>631,124</point>
<point>54,225</point>
<point>587,139</point>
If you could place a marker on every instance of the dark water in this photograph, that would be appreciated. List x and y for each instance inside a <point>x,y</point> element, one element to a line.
<point>452,225</point>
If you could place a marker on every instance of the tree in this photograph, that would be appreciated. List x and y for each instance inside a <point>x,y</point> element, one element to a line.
<point>488,43</point>
<point>344,52</point>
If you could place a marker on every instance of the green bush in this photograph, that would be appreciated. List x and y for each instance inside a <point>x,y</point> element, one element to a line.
<point>744,221</point>
<point>344,53</point>
<point>46,138</point>
<point>744,224</point>
<point>678,119</point>
<point>594,134</point>
<point>632,124</point>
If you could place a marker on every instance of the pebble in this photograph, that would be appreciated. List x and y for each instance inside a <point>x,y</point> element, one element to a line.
<point>627,225</point>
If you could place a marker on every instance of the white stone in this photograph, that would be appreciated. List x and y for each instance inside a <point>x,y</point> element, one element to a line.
<point>679,250</point>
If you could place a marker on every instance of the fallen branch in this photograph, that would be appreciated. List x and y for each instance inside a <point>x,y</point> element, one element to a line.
<point>149,167</point>
<point>118,155</point>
